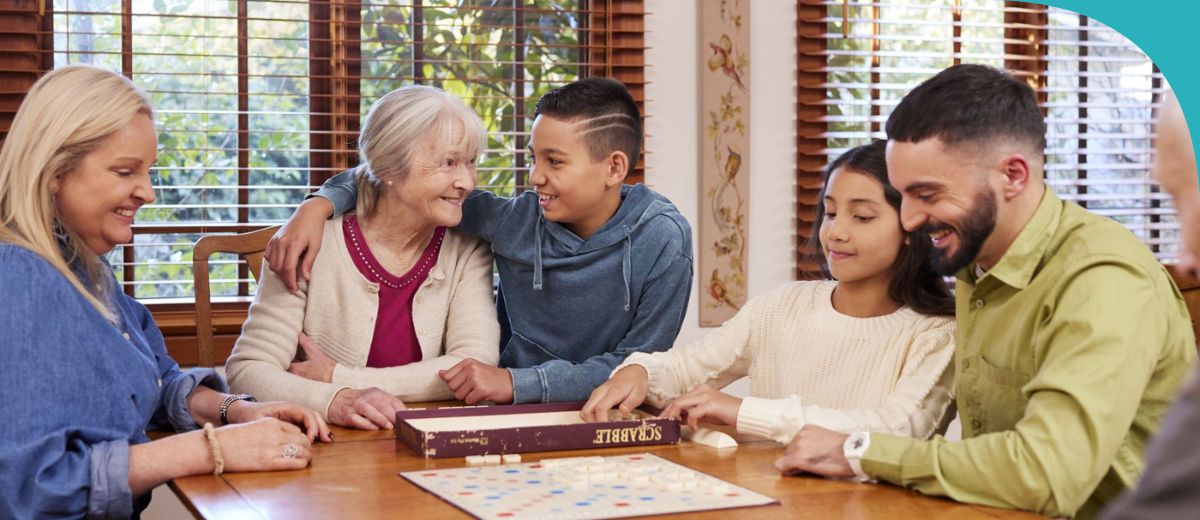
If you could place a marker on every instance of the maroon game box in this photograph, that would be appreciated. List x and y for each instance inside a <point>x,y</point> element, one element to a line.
<point>493,430</point>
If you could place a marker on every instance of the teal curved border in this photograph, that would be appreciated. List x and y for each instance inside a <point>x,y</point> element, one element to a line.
<point>1161,29</point>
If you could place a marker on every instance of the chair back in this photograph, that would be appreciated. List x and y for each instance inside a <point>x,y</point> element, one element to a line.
<point>1189,286</point>
<point>251,247</point>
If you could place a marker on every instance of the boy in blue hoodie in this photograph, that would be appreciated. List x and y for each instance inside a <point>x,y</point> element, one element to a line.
<point>591,270</point>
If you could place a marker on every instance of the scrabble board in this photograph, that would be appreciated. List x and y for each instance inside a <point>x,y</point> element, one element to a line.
<point>583,487</point>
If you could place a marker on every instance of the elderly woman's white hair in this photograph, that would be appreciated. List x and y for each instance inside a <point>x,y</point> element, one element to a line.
<point>396,126</point>
<point>65,116</point>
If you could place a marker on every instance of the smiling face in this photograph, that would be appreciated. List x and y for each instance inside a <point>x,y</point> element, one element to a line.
<point>860,232</point>
<point>947,198</point>
<point>572,189</point>
<point>436,184</point>
<point>98,199</point>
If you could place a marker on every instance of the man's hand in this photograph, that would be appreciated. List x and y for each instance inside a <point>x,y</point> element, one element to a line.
<point>816,450</point>
<point>318,367</point>
<point>298,242</point>
<point>473,381</point>
<point>626,390</point>
<point>705,403</point>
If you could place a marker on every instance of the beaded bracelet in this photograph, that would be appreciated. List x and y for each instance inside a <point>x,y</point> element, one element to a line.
<point>210,433</point>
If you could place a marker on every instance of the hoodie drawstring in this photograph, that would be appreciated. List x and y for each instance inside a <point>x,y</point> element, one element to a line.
<point>537,259</point>
<point>627,267</point>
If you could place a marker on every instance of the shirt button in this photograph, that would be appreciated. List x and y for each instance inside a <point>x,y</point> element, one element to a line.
<point>966,363</point>
<point>126,336</point>
<point>977,425</point>
<point>978,304</point>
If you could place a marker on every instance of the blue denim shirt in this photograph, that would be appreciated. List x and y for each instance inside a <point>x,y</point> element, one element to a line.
<point>572,309</point>
<point>78,391</point>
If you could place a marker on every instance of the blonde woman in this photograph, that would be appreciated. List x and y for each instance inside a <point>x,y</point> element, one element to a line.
<point>400,296</point>
<point>84,367</point>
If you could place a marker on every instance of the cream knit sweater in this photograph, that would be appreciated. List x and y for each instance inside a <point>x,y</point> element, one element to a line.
<point>453,313</point>
<point>809,363</point>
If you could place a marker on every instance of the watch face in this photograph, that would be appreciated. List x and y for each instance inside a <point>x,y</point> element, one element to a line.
<point>857,442</point>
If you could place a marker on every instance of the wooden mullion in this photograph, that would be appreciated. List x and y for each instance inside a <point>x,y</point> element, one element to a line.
<point>519,110</point>
<point>1156,83</point>
<point>810,128</point>
<point>876,110</point>
<point>956,31</point>
<point>320,118</point>
<point>128,254</point>
<point>1031,25</point>
<point>418,32</point>
<point>1082,128</point>
<point>243,130</point>
<point>617,39</point>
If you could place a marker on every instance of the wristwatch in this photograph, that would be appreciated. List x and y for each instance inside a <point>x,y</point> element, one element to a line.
<point>853,449</point>
<point>229,400</point>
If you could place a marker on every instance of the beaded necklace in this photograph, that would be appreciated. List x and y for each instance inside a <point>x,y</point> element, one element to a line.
<point>358,243</point>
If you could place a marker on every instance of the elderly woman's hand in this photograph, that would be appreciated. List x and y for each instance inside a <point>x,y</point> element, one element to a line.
<point>266,444</point>
<point>366,409</point>
<point>298,242</point>
<point>318,366</point>
<point>243,411</point>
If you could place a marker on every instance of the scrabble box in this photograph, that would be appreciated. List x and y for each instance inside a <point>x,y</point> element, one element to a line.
<point>489,430</point>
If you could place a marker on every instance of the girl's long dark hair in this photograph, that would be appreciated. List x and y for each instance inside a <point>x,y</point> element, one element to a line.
<point>914,284</point>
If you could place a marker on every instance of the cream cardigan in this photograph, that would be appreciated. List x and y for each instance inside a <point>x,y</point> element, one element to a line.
<point>453,314</point>
<point>809,363</point>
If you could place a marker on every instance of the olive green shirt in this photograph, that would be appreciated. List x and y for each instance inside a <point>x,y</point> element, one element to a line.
<point>1069,351</point>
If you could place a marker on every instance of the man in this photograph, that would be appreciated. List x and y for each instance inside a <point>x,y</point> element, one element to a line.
<point>1071,337</point>
<point>1171,486</point>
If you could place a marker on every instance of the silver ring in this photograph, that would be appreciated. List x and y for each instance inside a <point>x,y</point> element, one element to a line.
<point>290,451</point>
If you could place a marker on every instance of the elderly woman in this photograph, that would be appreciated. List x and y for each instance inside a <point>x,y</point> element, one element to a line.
<point>85,370</point>
<point>400,296</point>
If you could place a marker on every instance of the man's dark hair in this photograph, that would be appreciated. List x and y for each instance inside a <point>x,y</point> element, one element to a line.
<point>969,103</point>
<point>607,109</point>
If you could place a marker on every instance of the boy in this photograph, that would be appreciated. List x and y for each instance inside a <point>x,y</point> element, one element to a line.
<point>591,270</point>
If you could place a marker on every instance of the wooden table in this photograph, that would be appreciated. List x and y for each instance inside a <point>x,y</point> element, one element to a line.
<point>356,477</point>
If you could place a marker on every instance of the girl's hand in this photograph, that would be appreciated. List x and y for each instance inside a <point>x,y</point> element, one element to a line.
<point>705,403</point>
<point>626,389</point>
<point>314,426</point>
<point>295,246</point>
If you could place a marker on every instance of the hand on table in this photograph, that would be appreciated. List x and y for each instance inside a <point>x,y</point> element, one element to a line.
<point>816,450</point>
<point>365,409</point>
<point>626,390</point>
<point>266,444</point>
<point>705,403</point>
<point>243,411</point>
<point>473,381</point>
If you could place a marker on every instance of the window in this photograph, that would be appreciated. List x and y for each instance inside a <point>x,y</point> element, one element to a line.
<point>259,101</point>
<point>1097,89</point>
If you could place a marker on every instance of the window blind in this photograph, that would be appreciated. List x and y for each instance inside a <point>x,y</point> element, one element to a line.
<point>259,101</point>
<point>1097,90</point>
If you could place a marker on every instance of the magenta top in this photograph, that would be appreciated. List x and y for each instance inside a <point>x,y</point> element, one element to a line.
<point>394,342</point>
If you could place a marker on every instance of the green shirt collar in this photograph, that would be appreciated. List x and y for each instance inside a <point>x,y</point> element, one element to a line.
<point>1018,265</point>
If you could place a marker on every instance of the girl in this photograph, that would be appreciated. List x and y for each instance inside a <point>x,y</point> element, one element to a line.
<point>865,351</point>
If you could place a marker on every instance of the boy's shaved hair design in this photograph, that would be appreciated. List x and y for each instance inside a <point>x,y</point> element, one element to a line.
<point>605,114</point>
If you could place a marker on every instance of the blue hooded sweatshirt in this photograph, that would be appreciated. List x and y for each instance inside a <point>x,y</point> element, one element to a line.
<point>571,309</point>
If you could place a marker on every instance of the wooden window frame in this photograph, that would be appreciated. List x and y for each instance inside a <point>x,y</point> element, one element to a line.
<point>616,46</point>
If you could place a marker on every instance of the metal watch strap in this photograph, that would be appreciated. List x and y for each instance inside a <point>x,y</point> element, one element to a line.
<point>229,400</point>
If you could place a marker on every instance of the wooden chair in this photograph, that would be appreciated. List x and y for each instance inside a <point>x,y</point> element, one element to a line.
<point>251,247</point>
<point>1190,287</point>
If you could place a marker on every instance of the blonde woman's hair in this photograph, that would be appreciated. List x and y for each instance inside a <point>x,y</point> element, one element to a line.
<point>396,126</point>
<point>66,115</point>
